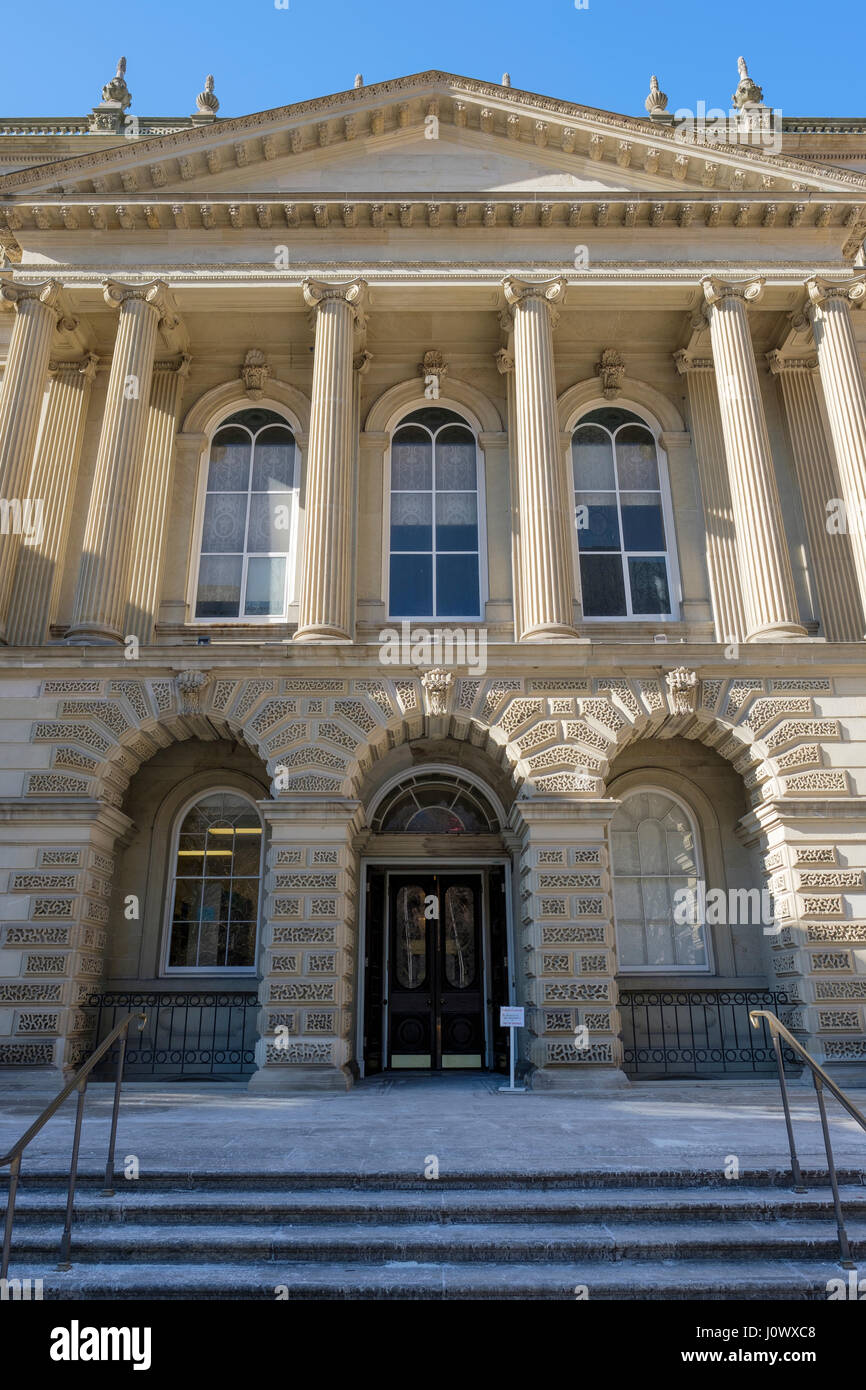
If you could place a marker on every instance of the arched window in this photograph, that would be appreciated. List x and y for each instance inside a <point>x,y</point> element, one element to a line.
<point>215,888</point>
<point>249,519</point>
<point>435,803</point>
<point>655,855</point>
<point>435,547</point>
<point>622,513</point>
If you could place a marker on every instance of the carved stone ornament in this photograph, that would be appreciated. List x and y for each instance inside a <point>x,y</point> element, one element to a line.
<point>657,102</point>
<point>116,91</point>
<point>748,93</point>
<point>436,682</point>
<point>255,373</point>
<point>206,102</point>
<point>611,372</point>
<point>683,689</point>
<point>190,687</point>
<point>433,364</point>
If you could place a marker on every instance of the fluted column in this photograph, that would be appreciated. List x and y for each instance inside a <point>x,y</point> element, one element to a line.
<point>845,393</point>
<point>547,570</point>
<point>53,477</point>
<point>769,600</point>
<point>325,613</point>
<point>154,493</point>
<point>111,522</point>
<point>818,481</point>
<point>37,311</point>
<point>721,537</point>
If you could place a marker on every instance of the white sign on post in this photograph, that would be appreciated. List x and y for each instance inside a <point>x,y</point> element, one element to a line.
<point>511,1016</point>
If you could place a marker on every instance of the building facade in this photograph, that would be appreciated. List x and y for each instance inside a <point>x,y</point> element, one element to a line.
<point>433,576</point>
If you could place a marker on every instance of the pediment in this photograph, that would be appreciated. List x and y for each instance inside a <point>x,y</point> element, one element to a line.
<point>431,133</point>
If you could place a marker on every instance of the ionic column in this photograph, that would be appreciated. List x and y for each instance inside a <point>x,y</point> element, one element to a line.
<point>765,568</point>
<point>845,393</point>
<point>111,522</point>
<point>546,569</point>
<point>53,477</point>
<point>154,492</point>
<point>325,613</point>
<point>37,311</point>
<point>815,467</point>
<point>721,538</point>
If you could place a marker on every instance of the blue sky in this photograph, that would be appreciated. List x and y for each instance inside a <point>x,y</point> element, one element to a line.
<point>263,56</point>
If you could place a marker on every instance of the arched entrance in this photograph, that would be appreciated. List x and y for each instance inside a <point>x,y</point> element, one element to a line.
<point>435,927</point>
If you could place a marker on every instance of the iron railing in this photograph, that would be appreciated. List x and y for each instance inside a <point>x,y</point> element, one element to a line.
<point>78,1083</point>
<point>189,1036</point>
<point>760,1018</point>
<point>696,1033</point>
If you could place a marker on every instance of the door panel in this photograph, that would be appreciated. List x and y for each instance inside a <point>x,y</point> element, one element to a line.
<point>436,977</point>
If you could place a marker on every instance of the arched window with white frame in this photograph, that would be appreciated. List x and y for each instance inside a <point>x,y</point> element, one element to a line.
<point>436,520</point>
<point>245,568</point>
<point>657,875</point>
<point>623,517</point>
<point>215,888</point>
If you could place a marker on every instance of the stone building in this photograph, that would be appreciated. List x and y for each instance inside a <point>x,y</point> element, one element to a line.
<point>433,554</point>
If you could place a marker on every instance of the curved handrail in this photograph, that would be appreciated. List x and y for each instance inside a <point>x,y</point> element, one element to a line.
<point>820,1079</point>
<point>77,1083</point>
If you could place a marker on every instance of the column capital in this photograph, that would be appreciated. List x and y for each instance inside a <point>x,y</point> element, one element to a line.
<point>180,364</point>
<point>716,289</point>
<point>352,292</point>
<point>779,362</point>
<point>155,293</point>
<point>517,290</point>
<point>686,362</point>
<point>821,290</point>
<point>86,366</point>
<point>47,292</point>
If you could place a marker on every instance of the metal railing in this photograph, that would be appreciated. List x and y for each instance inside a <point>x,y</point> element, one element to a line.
<point>79,1084</point>
<point>696,1032</point>
<point>206,1035</point>
<point>820,1080</point>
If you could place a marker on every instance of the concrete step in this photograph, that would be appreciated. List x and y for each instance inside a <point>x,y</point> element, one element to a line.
<point>793,1280</point>
<point>37,1203</point>
<point>455,1243</point>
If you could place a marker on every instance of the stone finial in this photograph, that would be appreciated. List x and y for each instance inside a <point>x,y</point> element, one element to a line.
<point>254,373</point>
<point>190,686</point>
<point>436,682</point>
<point>116,91</point>
<point>506,79</point>
<point>657,102</point>
<point>359,79</point>
<point>206,103</point>
<point>683,689</point>
<point>611,372</point>
<point>748,93</point>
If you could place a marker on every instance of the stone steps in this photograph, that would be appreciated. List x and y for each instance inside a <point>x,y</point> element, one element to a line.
<point>398,1237</point>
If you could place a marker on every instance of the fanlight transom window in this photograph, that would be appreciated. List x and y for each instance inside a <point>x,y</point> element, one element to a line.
<point>655,855</point>
<point>435,546</point>
<point>620,506</point>
<point>249,519</point>
<point>435,805</point>
<point>216,886</point>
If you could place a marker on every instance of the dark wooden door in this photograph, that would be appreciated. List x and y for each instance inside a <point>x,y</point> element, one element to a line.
<point>435,971</point>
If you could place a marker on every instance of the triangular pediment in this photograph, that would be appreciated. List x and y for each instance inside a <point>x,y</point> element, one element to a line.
<point>431,133</point>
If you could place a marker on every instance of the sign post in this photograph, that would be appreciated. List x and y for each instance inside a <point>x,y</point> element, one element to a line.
<point>511,1017</point>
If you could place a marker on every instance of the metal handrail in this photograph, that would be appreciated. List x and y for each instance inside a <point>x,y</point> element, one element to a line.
<point>79,1083</point>
<point>820,1079</point>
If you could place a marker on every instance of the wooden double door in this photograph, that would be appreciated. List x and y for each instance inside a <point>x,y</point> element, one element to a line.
<point>435,971</point>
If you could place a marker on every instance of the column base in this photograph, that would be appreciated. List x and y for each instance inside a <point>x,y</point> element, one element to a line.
<point>321,634</point>
<point>779,632</point>
<point>578,1080</point>
<point>93,635</point>
<point>292,1080</point>
<point>553,632</point>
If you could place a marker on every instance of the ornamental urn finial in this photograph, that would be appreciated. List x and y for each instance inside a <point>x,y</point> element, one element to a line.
<point>206,102</point>
<point>748,93</point>
<point>657,102</point>
<point>359,79</point>
<point>116,91</point>
<point>506,79</point>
